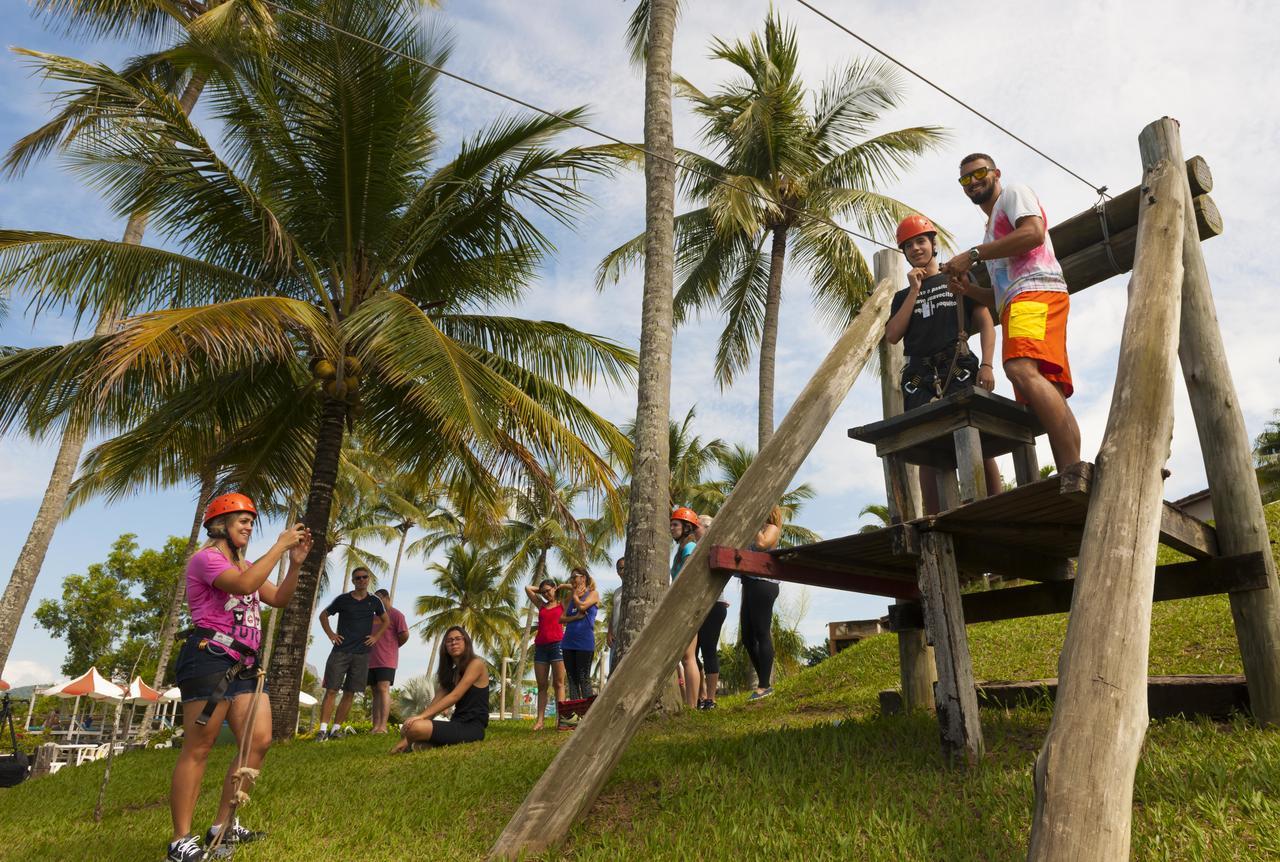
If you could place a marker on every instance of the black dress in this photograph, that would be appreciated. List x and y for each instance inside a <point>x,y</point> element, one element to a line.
<point>470,718</point>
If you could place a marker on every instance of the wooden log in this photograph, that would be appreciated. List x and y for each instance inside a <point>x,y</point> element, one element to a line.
<point>1189,535</point>
<point>901,480</point>
<point>572,781</point>
<point>1026,466</point>
<point>1244,573</point>
<point>45,756</point>
<point>1228,464</point>
<point>1094,263</point>
<point>1084,774</point>
<point>1216,696</point>
<point>948,490</point>
<point>944,624</point>
<point>916,670</point>
<point>1083,229</point>
<point>969,467</point>
<point>740,561</point>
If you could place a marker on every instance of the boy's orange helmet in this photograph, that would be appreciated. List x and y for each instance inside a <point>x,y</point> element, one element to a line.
<point>912,226</point>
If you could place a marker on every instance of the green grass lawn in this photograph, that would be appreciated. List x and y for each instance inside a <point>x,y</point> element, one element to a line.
<point>812,773</point>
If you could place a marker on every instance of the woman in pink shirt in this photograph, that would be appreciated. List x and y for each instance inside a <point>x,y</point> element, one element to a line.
<point>218,660</point>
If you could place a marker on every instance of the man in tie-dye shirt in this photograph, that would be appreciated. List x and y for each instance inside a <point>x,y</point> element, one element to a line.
<point>1028,294</point>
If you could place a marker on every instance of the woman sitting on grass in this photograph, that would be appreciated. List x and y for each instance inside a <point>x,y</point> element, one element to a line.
<point>462,682</point>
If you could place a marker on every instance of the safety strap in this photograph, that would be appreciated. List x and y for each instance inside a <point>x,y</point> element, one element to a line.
<point>1101,209</point>
<point>222,639</point>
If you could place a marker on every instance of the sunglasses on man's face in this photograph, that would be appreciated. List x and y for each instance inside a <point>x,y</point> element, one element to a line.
<point>976,174</point>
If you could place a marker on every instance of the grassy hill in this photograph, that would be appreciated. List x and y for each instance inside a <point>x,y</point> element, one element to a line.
<point>812,773</point>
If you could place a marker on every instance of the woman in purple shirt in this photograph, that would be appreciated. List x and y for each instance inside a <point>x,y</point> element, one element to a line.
<point>218,660</point>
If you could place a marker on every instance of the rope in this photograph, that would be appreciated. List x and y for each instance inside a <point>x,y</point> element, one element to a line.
<point>647,153</point>
<point>243,772</point>
<point>1097,188</point>
<point>1101,209</point>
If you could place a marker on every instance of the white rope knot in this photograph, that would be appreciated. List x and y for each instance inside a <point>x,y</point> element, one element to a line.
<point>246,772</point>
<point>240,798</point>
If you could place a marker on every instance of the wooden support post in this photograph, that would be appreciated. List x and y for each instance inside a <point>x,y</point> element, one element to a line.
<point>969,467</point>
<point>954,691</point>
<point>901,480</point>
<point>1026,467</point>
<point>916,670</point>
<point>1084,774</point>
<point>574,778</point>
<point>1237,506</point>
<point>45,756</point>
<point>948,490</point>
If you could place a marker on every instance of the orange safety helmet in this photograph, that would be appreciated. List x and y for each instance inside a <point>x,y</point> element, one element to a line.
<point>226,504</point>
<point>684,513</point>
<point>912,226</point>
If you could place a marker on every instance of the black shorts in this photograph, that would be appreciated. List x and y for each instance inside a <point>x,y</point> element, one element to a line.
<point>199,671</point>
<point>454,732</point>
<point>348,671</point>
<point>381,674</point>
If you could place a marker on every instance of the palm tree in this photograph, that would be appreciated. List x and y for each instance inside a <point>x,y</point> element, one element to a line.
<point>880,512</point>
<point>244,29</point>
<point>1266,455</point>
<point>733,466</point>
<point>782,174</point>
<point>328,258</point>
<point>541,525</point>
<point>650,35</point>
<point>473,592</point>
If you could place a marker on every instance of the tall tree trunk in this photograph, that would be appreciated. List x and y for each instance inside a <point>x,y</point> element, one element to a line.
<point>769,334</point>
<point>290,649</point>
<point>404,529</point>
<point>539,572</point>
<point>25,571</point>
<point>647,518</point>
<point>170,627</point>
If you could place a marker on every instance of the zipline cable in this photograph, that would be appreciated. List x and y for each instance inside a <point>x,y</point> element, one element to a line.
<point>583,126</point>
<point>1101,190</point>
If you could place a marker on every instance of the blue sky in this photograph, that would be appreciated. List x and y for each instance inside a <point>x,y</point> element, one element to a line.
<point>1078,80</point>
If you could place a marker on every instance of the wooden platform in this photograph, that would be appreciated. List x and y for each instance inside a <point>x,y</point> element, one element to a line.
<point>1167,696</point>
<point>1024,533</point>
<point>923,435</point>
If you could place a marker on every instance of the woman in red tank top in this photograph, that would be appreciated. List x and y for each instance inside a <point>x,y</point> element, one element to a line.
<point>547,656</point>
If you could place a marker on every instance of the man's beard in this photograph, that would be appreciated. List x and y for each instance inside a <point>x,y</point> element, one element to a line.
<point>983,197</point>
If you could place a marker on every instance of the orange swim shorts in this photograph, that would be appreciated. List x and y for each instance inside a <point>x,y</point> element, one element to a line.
<point>1035,327</point>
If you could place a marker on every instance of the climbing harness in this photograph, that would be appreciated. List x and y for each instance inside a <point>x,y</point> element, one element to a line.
<point>248,656</point>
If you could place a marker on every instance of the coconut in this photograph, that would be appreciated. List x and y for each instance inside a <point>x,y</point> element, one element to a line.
<point>335,389</point>
<point>324,369</point>
<point>351,366</point>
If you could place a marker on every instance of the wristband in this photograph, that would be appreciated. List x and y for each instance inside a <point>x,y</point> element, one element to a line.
<point>987,365</point>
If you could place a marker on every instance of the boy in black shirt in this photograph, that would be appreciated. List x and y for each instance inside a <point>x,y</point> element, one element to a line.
<point>935,332</point>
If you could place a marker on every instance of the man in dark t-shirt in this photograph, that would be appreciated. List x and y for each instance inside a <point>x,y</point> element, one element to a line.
<point>348,665</point>
<point>934,332</point>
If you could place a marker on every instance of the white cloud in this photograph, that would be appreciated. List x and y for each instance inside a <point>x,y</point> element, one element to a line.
<point>19,672</point>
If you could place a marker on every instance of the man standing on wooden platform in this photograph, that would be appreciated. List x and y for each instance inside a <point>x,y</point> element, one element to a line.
<point>935,325</point>
<point>1029,293</point>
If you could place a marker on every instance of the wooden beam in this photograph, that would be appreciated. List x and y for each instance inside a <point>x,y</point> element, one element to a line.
<point>1244,573</point>
<point>740,561</point>
<point>1227,451</point>
<point>569,785</point>
<point>901,480</point>
<point>1097,263</point>
<point>916,670</point>
<point>1084,774</point>
<point>1083,230</point>
<point>969,464</point>
<point>1184,533</point>
<point>977,554</point>
<point>944,624</point>
<point>1216,696</point>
